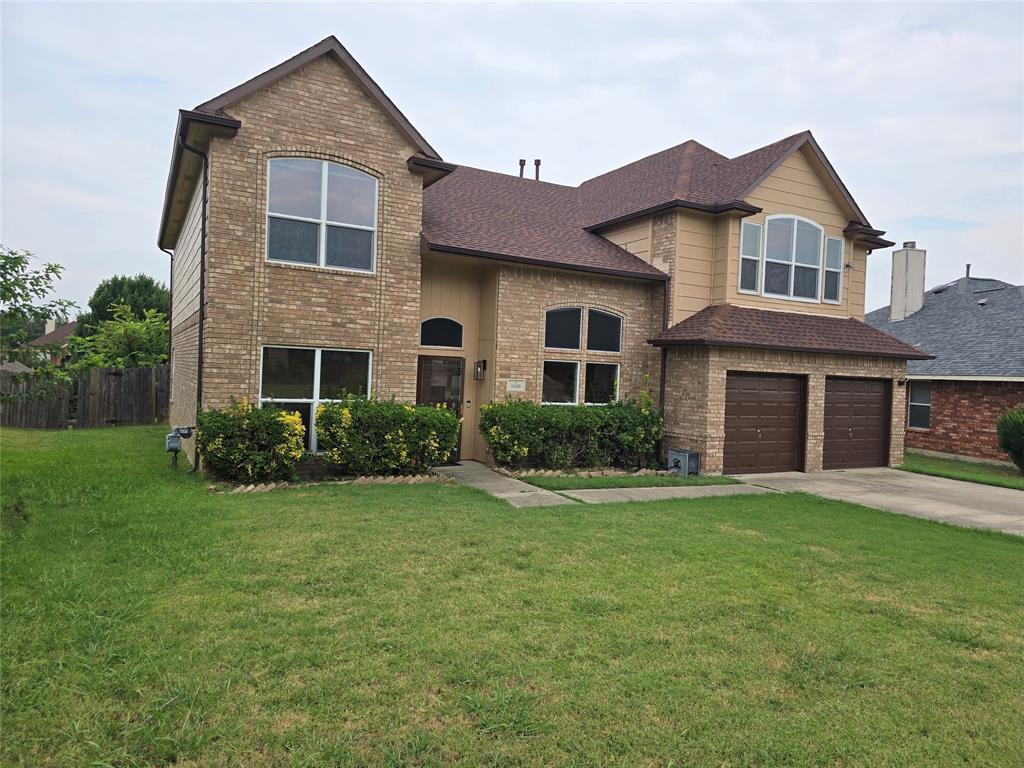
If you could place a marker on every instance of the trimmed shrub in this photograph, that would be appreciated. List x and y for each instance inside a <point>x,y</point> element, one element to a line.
<point>382,437</point>
<point>1010,430</point>
<point>250,445</point>
<point>520,433</point>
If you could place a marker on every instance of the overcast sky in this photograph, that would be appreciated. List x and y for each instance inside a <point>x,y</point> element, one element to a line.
<point>918,106</point>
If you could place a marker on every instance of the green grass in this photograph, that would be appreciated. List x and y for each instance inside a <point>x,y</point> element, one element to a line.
<point>575,482</point>
<point>971,471</point>
<point>148,622</point>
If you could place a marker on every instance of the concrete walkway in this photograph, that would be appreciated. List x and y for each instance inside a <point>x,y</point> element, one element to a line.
<point>656,493</point>
<point>515,492</point>
<point>520,494</point>
<point>970,505</point>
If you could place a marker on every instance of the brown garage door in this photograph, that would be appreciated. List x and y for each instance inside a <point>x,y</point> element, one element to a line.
<point>856,423</point>
<point>763,423</point>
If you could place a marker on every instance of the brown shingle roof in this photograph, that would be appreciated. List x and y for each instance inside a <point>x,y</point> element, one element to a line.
<point>492,214</point>
<point>58,335</point>
<point>725,325</point>
<point>506,217</point>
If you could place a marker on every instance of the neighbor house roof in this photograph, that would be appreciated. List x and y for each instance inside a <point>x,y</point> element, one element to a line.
<point>494,215</point>
<point>726,325</point>
<point>974,327</point>
<point>58,335</point>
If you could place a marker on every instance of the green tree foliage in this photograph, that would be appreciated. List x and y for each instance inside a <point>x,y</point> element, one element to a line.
<point>140,293</point>
<point>125,341</point>
<point>26,302</point>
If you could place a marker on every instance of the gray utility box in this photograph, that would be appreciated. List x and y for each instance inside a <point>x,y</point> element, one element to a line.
<point>684,462</point>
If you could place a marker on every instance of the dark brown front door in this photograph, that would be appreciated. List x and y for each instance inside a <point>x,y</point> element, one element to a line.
<point>857,423</point>
<point>440,380</point>
<point>764,423</point>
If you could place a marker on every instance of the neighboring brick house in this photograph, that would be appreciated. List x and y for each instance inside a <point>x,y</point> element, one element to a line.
<point>338,252</point>
<point>55,336</point>
<point>975,328</point>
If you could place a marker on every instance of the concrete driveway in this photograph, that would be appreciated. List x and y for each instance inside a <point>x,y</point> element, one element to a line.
<point>971,505</point>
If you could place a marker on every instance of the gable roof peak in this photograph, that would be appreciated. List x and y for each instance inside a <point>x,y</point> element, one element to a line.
<point>329,46</point>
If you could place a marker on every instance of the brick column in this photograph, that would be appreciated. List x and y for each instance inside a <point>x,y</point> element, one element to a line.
<point>815,422</point>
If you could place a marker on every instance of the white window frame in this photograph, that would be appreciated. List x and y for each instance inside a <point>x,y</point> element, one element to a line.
<point>825,269</point>
<point>578,348</point>
<point>759,259</point>
<point>585,343</point>
<point>315,400</point>
<point>441,346</point>
<point>576,386</point>
<point>794,263</point>
<point>615,393</point>
<point>323,221</point>
<point>928,405</point>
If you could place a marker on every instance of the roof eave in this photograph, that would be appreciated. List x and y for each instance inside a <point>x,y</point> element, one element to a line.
<point>430,169</point>
<point>219,125</point>
<point>660,342</point>
<point>737,206</point>
<point>442,248</point>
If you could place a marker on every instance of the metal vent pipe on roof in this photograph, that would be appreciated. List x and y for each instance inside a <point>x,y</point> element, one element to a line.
<point>536,169</point>
<point>522,166</point>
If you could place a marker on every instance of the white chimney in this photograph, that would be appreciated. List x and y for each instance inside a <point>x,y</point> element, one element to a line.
<point>907,281</point>
<point>51,325</point>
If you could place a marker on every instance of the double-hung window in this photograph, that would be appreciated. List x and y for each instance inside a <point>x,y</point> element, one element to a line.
<point>919,411</point>
<point>833,270</point>
<point>321,213</point>
<point>300,378</point>
<point>750,256</point>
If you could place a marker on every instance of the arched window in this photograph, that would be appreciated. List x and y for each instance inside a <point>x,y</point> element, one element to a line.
<point>604,331</point>
<point>792,254</point>
<point>440,332</point>
<point>562,328</point>
<point>321,213</point>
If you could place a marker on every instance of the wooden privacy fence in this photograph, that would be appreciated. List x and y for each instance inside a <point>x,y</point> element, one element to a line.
<point>21,407</point>
<point>104,397</point>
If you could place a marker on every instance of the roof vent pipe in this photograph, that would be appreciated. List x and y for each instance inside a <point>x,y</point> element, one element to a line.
<point>536,169</point>
<point>968,270</point>
<point>522,166</point>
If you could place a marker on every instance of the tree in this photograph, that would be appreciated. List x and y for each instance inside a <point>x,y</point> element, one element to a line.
<point>139,293</point>
<point>26,303</point>
<point>125,341</point>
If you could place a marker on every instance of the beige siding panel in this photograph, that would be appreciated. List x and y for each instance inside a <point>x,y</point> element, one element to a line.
<point>185,270</point>
<point>695,254</point>
<point>634,236</point>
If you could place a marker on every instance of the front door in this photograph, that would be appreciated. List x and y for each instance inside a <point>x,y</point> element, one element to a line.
<point>440,380</point>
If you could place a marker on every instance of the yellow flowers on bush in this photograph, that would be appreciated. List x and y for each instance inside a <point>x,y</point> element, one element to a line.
<point>382,437</point>
<point>250,445</point>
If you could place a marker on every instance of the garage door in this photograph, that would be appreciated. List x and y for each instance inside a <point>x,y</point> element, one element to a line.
<point>763,423</point>
<point>856,423</point>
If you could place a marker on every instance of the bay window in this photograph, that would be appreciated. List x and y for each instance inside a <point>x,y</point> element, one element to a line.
<point>321,213</point>
<point>300,378</point>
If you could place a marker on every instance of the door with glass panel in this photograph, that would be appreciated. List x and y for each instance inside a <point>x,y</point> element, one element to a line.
<point>440,380</point>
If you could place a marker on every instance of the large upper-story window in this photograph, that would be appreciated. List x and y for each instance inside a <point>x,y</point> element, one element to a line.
<point>321,213</point>
<point>789,257</point>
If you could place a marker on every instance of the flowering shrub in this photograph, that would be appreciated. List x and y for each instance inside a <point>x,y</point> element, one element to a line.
<point>250,445</point>
<point>382,437</point>
<point>623,433</point>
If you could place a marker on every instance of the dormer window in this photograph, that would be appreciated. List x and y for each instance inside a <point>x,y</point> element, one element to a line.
<point>789,257</point>
<point>322,214</point>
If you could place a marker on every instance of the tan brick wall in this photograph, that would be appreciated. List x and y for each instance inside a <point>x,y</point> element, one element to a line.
<point>320,112</point>
<point>695,395</point>
<point>525,294</point>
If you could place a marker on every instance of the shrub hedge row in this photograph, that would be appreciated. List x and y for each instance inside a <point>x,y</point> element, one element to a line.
<point>521,433</point>
<point>357,436</point>
<point>1010,430</point>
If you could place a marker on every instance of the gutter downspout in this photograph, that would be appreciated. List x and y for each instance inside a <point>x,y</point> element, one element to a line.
<point>202,279</point>
<point>170,305</point>
<point>664,349</point>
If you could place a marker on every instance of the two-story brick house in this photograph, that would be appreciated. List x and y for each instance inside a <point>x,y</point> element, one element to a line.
<point>321,245</point>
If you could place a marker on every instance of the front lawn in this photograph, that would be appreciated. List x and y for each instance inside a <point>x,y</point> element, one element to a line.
<point>575,482</point>
<point>971,471</point>
<point>147,622</point>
